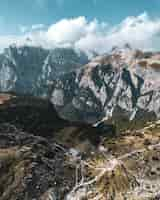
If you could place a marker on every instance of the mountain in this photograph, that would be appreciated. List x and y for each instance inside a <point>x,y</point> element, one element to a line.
<point>39,151</point>
<point>121,85</point>
<point>31,167</point>
<point>38,116</point>
<point>44,157</point>
<point>32,70</point>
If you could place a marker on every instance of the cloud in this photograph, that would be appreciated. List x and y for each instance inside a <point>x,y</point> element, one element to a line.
<point>72,30</point>
<point>141,32</point>
<point>5,41</point>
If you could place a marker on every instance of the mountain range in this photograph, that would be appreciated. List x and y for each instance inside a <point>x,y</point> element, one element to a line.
<point>73,127</point>
<point>32,70</point>
<point>122,84</point>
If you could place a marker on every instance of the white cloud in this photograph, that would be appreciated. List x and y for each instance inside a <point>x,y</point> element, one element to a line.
<point>5,41</point>
<point>141,32</point>
<point>72,30</point>
<point>67,30</point>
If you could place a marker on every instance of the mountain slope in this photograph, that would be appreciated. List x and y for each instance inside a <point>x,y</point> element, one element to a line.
<point>38,116</point>
<point>45,157</point>
<point>32,70</point>
<point>122,84</point>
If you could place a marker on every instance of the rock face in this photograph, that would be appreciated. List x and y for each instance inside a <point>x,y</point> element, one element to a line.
<point>122,84</point>
<point>32,70</point>
<point>44,157</point>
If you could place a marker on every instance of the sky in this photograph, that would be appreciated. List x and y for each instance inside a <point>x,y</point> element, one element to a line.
<point>85,24</point>
<point>14,13</point>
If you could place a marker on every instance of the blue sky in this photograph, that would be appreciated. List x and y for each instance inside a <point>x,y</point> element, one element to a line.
<point>89,25</point>
<point>14,13</point>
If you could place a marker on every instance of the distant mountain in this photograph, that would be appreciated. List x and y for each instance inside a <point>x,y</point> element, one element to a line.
<point>33,69</point>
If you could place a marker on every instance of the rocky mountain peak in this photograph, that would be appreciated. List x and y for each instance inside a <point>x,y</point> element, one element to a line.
<point>31,70</point>
<point>122,83</point>
<point>43,156</point>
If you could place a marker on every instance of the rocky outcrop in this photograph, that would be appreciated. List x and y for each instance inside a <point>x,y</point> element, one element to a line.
<point>115,86</point>
<point>127,169</point>
<point>123,84</point>
<point>32,70</point>
<point>32,168</point>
